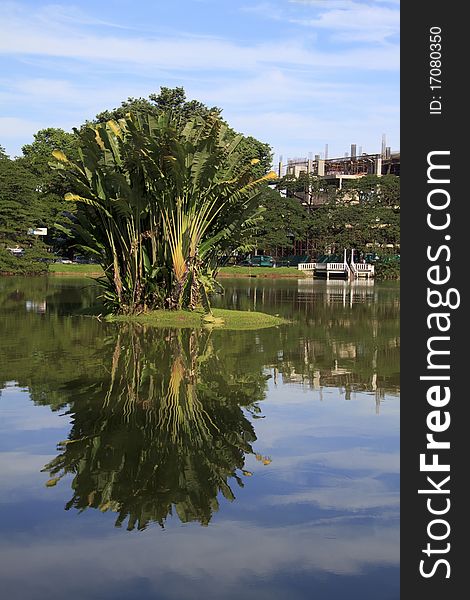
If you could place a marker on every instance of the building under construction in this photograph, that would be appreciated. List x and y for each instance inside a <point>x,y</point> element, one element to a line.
<point>336,170</point>
<point>332,173</point>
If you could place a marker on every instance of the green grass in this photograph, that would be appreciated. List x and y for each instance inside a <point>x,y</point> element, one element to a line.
<point>232,319</point>
<point>71,269</point>
<point>261,272</point>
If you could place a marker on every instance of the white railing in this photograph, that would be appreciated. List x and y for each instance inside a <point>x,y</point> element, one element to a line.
<point>336,266</point>
<point>364,267</point>
<point>356,269</point>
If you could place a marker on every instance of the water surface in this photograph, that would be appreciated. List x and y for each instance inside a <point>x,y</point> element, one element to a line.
<point>172,464</point>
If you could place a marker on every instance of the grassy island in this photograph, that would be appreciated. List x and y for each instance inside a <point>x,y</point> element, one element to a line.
<point>222,318</point>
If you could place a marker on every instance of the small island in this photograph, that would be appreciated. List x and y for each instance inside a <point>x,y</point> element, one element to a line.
<point>163,200</point>
<point>221,318</point>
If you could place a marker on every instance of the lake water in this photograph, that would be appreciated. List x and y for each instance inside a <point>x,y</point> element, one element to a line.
<point>189,464</point>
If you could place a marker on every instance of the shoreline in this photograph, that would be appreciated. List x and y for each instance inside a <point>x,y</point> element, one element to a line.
<point>224,273</point>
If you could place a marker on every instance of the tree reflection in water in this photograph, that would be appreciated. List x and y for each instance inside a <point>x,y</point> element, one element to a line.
<point>164,432</point>
<point>160,417</point>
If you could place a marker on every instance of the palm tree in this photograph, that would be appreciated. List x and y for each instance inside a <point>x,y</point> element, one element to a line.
<point>161,203</point>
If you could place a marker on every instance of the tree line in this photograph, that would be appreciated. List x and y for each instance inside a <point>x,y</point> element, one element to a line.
<point>366,211</point>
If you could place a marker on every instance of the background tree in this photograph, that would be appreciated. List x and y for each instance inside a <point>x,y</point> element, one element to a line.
<point>363,213</point>
<point>49,185</point>
<point>308,189</point>
<point>283,221</point>
<point>51,188</point>
<point>356,226</point>
<point>373,191</point>
<point>20,209</point>
<point>173,102</point>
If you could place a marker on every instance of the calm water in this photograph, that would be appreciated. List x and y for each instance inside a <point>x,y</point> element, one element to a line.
<point>178,464</point>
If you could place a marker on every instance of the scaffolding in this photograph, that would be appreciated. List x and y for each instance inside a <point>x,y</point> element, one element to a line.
<point>360,165</point>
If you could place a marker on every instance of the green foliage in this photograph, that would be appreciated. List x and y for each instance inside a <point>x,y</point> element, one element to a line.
<point>148,441</point>
<point>160,204</point>
<point>373,190</point>
<point>366,211</point>
<point>37,155</point>
<point>20,209</point>
<point>250,148</point>
<point>172,102</point>
<point>308,189</point>
<point>387,267</point>
<point>50,188</point>
<point>36,158</point>
<point>49,185</point>
<point>283,221</point>
<point>338,226</point>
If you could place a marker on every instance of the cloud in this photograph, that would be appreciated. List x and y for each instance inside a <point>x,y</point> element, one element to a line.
<point>71,98</point>
<point>348,459</point>
<point>266,10</point>
<point>357,23</point>
<point>21,477</point>
<point>350,496</point>
<point>21,36</point>
<point>345,20</point>
<point>274,89</point>
<point>10,127</point>
<point>286,87</point>
<point>341,547</point>
<point>61,14</point>
<point>17,414</point>
<point>288,131</point>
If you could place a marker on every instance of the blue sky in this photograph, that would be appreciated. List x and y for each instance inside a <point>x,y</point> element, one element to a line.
<point>294,73</point>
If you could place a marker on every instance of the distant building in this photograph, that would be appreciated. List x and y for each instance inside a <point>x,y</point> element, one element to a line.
<point>334,172</point>
<point>351,167</point>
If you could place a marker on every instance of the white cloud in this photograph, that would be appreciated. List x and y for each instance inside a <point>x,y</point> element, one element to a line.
<point>289,91</point>
<point>289,131</point>
<point>61,14</point>
<point>10,127</point>
<point>361,494</point>
<point>266,10</point>
<point>21,477</point>
<point>16,404</point>
<point>349,20</point>
<point>358,23</point>
<point>73,100</point>
<point>340,547</point>
<point>274,88</point>
<point>350,459</point>
<point>21,36</point>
